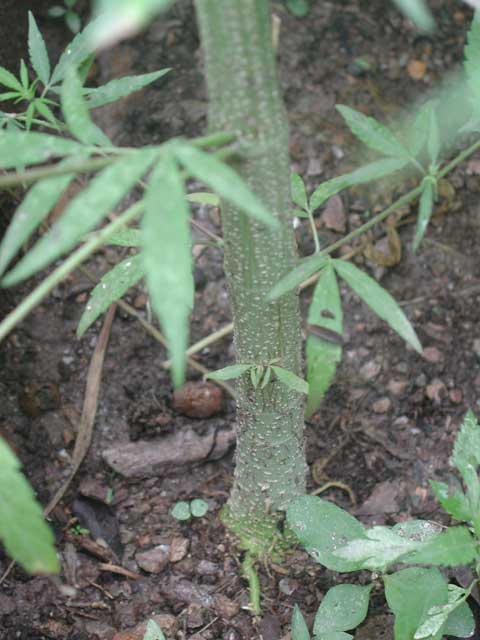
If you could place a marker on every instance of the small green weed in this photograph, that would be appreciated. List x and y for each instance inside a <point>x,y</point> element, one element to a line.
<point>425,605</point>
<point>183,510</point>
<point>68,13</point>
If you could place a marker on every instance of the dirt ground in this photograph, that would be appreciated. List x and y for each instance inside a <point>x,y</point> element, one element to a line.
<point>385,427</point>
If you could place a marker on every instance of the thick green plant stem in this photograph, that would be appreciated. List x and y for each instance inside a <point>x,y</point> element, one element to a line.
<point>244,95</point>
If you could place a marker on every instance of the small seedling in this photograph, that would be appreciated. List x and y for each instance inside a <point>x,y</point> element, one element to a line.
<point>71,17</point>
<point>183,510</point>
<point>425,605</point>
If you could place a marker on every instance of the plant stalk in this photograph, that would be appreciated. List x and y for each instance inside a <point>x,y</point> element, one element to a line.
<point>244,94</point>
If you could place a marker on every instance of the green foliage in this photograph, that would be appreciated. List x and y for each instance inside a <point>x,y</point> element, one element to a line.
<point>424,605</point>
<point>71,17</point>
<point>343,608</point>
<point>23,531</point>
<point>299,626</point>
<point>183,510</point>
<point>298,8</point>
<point>153,631</point>
<point>112,286</point>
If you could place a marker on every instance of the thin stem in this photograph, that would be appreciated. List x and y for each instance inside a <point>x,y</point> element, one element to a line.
<point>456,161</point>
<point>314,232</point>
<point>32,175</point>
<point>219,139</point>
<point>70,264</point>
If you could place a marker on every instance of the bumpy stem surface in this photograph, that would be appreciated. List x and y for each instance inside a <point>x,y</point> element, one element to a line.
<point>244,95</point>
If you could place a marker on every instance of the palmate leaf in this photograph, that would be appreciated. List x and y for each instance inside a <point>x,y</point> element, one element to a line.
<point>111,287</point>
<point>299,626</point>
<point>21,148</point>
<point>223,180</point>
<point>168,258</point>
<point>35,207</point>
<point>323,528</point>
<point>120,88</point>
<point>75,110</point>
<point>322,355</point>
<point>343,607</point>
<point>372,133</point>
<point>379,300</point>
<point>38,51</point>
<point>23,530</point>
<point>425,209</point>
<point>410,594</point>
<point>85,211</point>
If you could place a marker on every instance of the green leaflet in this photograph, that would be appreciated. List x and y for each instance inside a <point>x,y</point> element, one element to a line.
<point>417,133</point>
<point>378,548</point>
<point>290,380</point>
<point>410,594</point>
<point>120,88</point>
<point>168,258</point>
<point>23,530</point>
<point>111,287</point>
<point>455,546</point>
<point>9,80</point>
<point>334,635</point>
<point>198,508</point>
<point>38,51</point>
<point>425,209</point>
<point>322,528</point>
<point>153,631</point>
<point>299,626</point>
<point>438,615</point>
<point>181,510</point>
<point>35,207</point>
<point>118,19</point>
<point>306,268</point>
<point>379,300</point>
<point>21,148</point>
<point>223,180</point>
<point>368,173</point>
<point>79,49</point>
<point>418,12</point>
<point>204,197</point>
<point>298,8</point>
<point>343,607</point>
<point>229,373</point>
<point>323,355</point>
<point>457,504</point>
<point>466,450</point>
<point>472,63</point>
<point>433,143</point>
<point>299,194</point>
<point>460,623</point>
<point>127,237</point>
<point>75,110</point>
<point>372,133</point>
<point>85,211</point>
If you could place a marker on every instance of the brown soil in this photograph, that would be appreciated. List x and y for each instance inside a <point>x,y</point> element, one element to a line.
<point>386,425</point>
